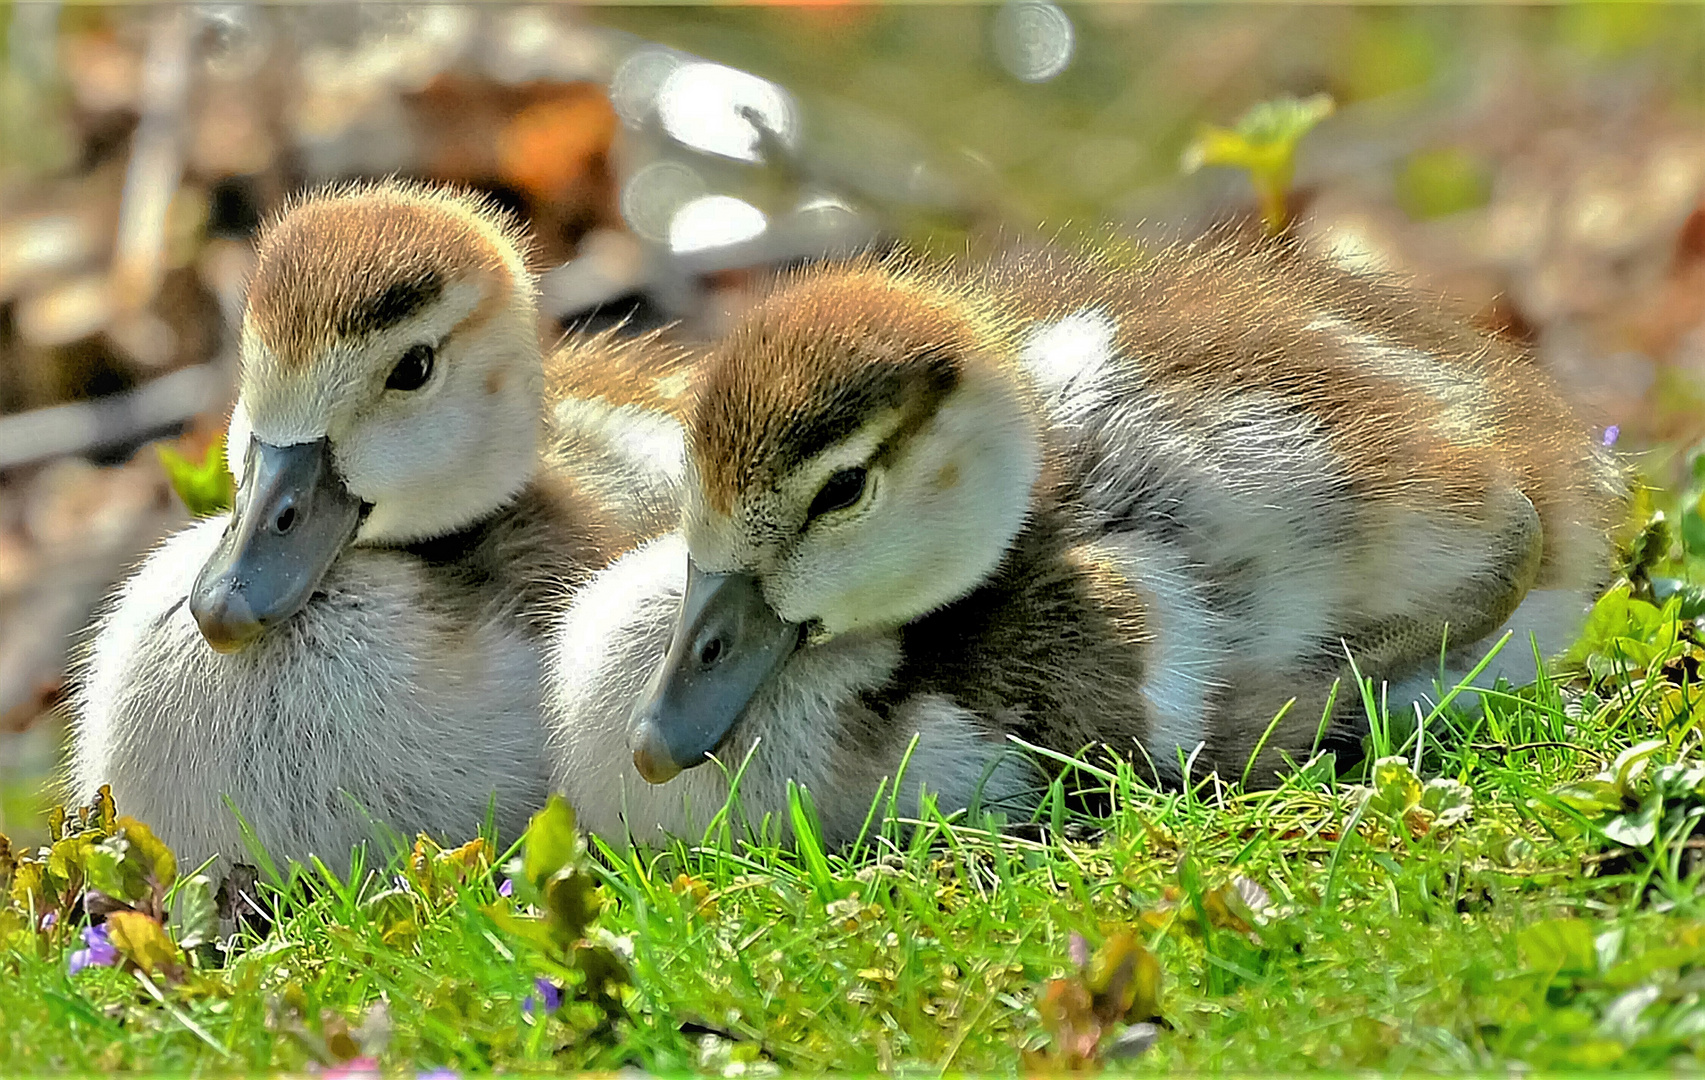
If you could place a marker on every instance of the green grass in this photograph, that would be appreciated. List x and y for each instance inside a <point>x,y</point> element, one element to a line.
<point>1502,903</point>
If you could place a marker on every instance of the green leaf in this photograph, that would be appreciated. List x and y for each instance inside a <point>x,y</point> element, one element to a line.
<point>195,915</point>
<point>571,904</point>
<point>1632,762</point>
<point>551,843</point>
<point>523,927</point>
<point>1590,797</point>
<point>395,914</point>
<point>1396,788</point>
<point>1610,617</point>
<point>1559,945</point>
<point>1448,801</point>
<point>205,487</point>
<point>553,877</point>
<point>1637,829</point>
<point>67,862</point>
<point>1625,633</point>
<point>1263,143</point>
<point>1679,779</point>
<point>112,867</point>
<point>157,859</point>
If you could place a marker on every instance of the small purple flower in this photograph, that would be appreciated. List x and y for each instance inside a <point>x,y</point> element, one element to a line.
<point>442,1072</point>
<point>49,921</point>
<point>100,951</point>
<point>547,994</point>
<point>507,888</point>
<point>1611,433</point>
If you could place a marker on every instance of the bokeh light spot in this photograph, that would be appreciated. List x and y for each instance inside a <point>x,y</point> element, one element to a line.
<point>653,195</point>
<point>715,221</point>
<point>1034,41</point>
<point>637,82</point>
<point>704,106</point>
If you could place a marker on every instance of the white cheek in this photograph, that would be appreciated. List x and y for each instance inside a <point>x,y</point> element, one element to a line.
<point>938,525</point>
<point>237,437</point>
<point>443,463</point>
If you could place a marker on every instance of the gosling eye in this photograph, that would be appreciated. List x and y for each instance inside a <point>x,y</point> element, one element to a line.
<point>412,370</point>
<point>843,488</point>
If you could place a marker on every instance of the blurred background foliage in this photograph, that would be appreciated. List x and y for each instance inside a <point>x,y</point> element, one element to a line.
<point>1543,165</point>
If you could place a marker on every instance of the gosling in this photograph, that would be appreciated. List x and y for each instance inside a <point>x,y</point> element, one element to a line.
<point>354,652</point>
<point>1071,501</point>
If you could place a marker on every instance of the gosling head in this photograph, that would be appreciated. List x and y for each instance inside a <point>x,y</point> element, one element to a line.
<point>862,452</point>
<point>389,392</point>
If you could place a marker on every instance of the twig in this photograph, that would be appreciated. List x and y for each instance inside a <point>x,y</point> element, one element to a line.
<point>1593,859</point>
<point>85,426</point>
<point>156,159</point>
<point>1507,748</point>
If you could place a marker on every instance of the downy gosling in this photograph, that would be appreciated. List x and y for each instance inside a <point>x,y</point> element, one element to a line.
<point>1142,503</point>
<point>355,650</point>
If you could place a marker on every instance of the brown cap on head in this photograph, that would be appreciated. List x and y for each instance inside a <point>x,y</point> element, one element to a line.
<point>809,365</point>
<point>353,261</point>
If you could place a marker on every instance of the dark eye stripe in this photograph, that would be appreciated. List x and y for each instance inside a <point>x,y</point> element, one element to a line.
<point>917,389</point>
<point>393,304</point>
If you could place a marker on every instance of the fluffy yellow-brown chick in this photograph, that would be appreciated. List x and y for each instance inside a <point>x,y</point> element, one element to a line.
<point>355,649</point>
<point>1141,503</point>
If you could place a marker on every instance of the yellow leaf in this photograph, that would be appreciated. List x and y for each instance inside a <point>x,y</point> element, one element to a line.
<point>1679,705</point>
<point>143,941</point>
<point>156,856</point>
<point>105,812</point>
<point>435,872</point>
<point>29,886</point>
<point>460,861</point>
<point>1124,979</point>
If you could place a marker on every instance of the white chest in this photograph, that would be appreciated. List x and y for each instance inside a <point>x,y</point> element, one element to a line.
<point>382,707</point>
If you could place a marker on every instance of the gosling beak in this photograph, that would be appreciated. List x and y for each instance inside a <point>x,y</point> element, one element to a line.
<point>293,517</point>
<point>728,643</point>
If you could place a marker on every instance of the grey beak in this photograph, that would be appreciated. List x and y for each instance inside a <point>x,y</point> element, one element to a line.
<point>727,644</point>
<point>293,517</point>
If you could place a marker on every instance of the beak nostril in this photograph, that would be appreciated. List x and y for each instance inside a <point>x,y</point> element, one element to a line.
<point>286,520</point>
<point>711,652</point>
